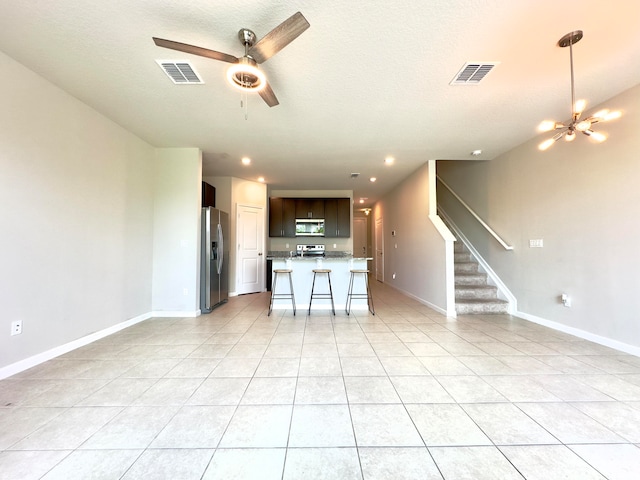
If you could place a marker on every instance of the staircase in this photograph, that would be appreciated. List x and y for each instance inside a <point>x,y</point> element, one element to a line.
<point>473,294</point>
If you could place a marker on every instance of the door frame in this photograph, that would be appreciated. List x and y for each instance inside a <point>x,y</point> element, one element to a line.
<point>379,245</point>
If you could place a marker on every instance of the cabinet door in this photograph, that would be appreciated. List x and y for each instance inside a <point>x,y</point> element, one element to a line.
<point>317,207</point>
<point>331,217</point>
<point>310,208</point>
<point>275,217</point>
<point>344,218</point>
<point>289,217</point>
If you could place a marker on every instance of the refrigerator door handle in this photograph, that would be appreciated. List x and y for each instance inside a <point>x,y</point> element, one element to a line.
<point>220,248</point>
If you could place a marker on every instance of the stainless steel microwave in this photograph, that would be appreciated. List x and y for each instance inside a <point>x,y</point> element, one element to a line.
<point>309,227</point>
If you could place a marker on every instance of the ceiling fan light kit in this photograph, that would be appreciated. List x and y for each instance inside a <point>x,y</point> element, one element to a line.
<point>246,76</point>
<point>244,73</point>
<point>568,131</point>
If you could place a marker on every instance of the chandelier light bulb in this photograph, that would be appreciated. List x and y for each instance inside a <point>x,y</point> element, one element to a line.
<point>580,106</point>
<point>612,115</point>
<point>597,136</point>
<point>546,126</point>
<point>546,144</point>
<point>570,136</point>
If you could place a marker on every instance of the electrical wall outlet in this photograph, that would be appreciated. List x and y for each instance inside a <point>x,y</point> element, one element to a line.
<point>185,292</point>
<point>16,327</point>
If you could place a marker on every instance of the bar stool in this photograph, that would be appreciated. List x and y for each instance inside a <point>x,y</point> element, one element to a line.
<point>325,295</point>
<point>351,295</point>
<point>275,296</point>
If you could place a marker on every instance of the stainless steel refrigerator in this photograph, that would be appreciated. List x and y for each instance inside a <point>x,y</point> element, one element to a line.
<point>214,263</point>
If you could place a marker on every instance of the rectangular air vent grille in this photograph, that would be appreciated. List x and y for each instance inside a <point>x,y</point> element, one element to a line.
<point>181,73</point>
<point>472,73</point>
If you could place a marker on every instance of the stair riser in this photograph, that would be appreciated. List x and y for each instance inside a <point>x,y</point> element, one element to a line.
<point>486,293</point>
<point>470,267</point>
<point>479,309</point>
<point>462,257</point>
<point>478,279</point>
<point>459,247</point>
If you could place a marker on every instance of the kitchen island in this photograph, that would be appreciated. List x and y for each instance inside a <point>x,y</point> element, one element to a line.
<point>302,277</point>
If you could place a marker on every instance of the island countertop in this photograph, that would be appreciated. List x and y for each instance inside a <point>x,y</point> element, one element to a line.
<point>302,277</point>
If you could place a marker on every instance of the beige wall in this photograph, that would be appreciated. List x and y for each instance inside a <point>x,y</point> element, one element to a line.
<point>176,226</point>
<point>583,200</point>
<point>77,218</point>
<point>417,253</point>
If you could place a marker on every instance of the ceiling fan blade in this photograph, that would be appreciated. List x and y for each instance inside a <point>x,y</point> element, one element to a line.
<point>268,96</point>
<point>192,49</point>
<point>279,37</point>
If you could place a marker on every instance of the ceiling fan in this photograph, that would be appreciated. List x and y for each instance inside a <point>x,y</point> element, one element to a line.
<point>244,73</point>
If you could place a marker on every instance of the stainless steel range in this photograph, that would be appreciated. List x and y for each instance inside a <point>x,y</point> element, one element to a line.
<point>310,250</point>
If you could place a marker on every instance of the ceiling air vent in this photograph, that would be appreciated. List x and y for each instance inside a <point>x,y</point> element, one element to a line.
<point>355,175</point>
<point>472,73</point>
<point>180,73</point>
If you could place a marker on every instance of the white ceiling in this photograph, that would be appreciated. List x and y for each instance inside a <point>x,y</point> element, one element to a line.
<point>368,79</point>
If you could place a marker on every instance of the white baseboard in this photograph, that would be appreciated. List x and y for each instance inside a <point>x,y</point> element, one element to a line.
<point>39,358</point>
<point>592,337</point>
<point>175,314</point>
<point>423,301</point>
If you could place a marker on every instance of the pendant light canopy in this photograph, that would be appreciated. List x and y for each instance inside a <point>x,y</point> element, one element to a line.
<point>568,130</point>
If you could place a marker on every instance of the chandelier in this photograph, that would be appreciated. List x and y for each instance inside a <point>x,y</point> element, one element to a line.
<point>568,130</point>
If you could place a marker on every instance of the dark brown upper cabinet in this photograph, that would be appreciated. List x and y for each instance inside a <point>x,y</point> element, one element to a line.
<point>310,208</point>
<point>282,217</point>
<point>337,217</point>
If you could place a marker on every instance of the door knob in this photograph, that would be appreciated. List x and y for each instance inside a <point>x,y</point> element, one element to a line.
<point>260,254</point>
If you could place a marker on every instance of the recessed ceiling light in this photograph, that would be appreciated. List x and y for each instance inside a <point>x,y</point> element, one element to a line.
<point>362,200</point>
<point>475,153</point>
<point>372,179</point>
<point>389,160</point>
<point>261,179</point>
<point>246,161</point>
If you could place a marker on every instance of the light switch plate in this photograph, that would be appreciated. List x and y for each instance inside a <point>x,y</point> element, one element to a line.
<point>536,243</point>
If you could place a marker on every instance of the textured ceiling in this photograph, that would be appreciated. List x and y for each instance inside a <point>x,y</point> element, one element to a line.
<point>366,80</point>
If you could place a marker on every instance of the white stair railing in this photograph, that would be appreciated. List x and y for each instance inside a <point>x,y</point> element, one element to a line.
<point>475,215</point>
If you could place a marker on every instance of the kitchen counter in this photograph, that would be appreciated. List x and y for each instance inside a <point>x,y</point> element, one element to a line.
<point>285,254</point>
<point>302,277</point>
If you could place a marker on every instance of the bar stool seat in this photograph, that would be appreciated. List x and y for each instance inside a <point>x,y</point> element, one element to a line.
<point>351,295</point>
<point>284,296</point>
<point>325,295</point>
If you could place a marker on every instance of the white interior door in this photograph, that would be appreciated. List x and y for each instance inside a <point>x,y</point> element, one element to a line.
<point>359,237</point>
<point>379,250</point>
<point>250,260</point>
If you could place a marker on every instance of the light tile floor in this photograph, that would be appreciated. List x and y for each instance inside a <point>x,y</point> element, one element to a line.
<point>404,394</point>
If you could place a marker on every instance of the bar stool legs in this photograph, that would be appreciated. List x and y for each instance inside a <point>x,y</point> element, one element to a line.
<point>351,295</point>
<point>275,296</point>
<point>321,295</point>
